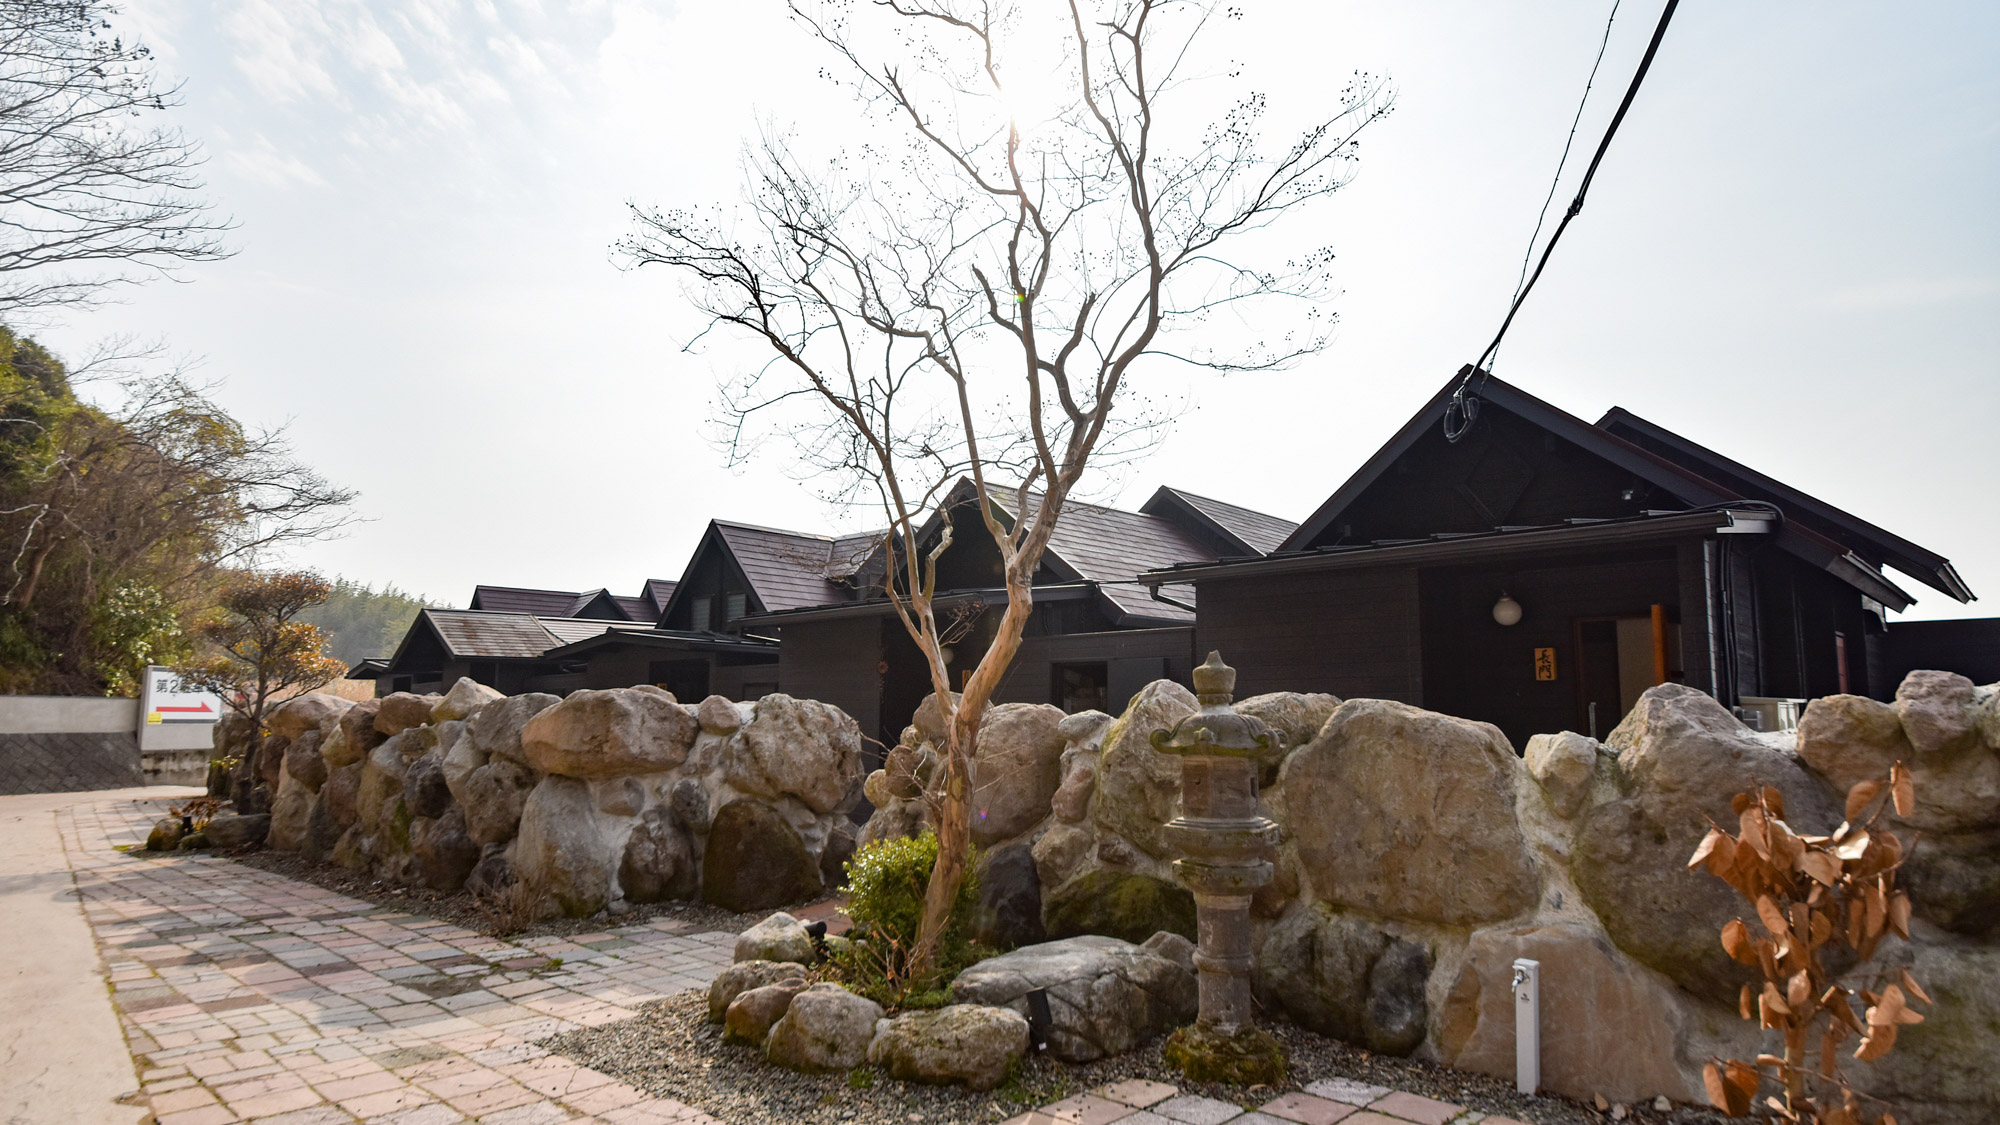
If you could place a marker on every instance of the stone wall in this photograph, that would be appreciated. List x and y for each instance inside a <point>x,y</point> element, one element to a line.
<point>1421,855</point>
<point>572,805</point>
<point>69,763</point>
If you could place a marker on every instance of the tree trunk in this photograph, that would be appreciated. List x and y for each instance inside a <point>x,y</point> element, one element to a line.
<point>954,815</point>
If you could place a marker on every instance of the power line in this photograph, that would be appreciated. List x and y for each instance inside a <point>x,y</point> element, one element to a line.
<point>1464,401</point>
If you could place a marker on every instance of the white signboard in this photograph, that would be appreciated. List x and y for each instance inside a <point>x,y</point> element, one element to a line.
<point>164,701</point>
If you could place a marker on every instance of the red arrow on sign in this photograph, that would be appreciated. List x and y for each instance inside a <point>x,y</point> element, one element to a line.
<point>204,708</point>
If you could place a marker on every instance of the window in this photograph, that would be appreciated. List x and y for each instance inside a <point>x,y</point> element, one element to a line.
<point>1082,687</point>
<point>733,608</point>
<point>700,618</point>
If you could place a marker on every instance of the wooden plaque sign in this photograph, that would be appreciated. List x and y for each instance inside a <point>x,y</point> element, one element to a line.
<point>1545,664</point>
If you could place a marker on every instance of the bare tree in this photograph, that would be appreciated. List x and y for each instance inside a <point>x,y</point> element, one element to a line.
<point>973,297</point>
<point>90,195</point>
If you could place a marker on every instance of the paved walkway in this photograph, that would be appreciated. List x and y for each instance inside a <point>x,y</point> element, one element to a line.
<point>1139,1102</point>
<point>243,996</point>
<point>249,997</point>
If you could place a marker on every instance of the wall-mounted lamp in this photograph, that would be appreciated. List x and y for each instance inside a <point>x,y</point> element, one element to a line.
<point>1507,611</point>
<point>947,655</point>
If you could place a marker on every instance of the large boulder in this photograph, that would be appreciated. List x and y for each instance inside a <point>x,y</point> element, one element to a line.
<point>400,711</point>
<point>1564,765</point>
<point>494,796</point>
<point>658,864</point>
<point>1119,904</point>
<point>424,786</point>
<point>270,760</point>
<point>826,1028</point>
<point>780,937</point>
<point>1936,710</point>
<point>1295,716</point>
<point>445,854</point>
<point>609,734</point>
<point>719,716</point>
<point>1425,829</point>
<point>1105,996</point>
<point>749,1017</point>
<point>1346,978</point>
<point>494,731</point>
<point>1138,788</point>
<point>381,783</point>
<point>302,713</point>
<point>800,748</point>
<point>356,734</point>
<point>1954,881</point>
<point>1682,758</point>
<point>968,1045</point>
<point>226,832</point>
<point>1849,739</point>
<point>1608,1027</point>
<point>1010,898</point>
<point>562,849</point>
<point>1071,800</point>
<point>743,976</point>
<point>929,719</point>
<point>304,763</point>
<point>1015,769</point>
<point>166,834</point>
<point>1941,1071</point>
<point>291,812</point>
<point>465,697</point>
<point>755,860</point>
<point>1059,852</point>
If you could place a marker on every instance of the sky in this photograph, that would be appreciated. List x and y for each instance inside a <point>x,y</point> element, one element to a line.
<point>1791,255</point>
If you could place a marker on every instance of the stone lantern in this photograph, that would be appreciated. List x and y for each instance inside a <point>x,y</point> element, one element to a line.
<point>1223,841</point>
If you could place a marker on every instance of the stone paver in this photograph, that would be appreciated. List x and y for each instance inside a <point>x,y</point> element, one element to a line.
<point>248,997</point>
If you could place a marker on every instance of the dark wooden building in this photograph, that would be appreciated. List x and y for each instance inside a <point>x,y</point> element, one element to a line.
<point>1543,571</point>
<point>1096,635</point>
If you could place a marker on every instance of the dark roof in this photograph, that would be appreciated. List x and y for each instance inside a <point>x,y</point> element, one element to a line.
<point>1567,537</point>
<point>489,635</point>
<point>788,569</point>
<point>522,599</point>
<point>659,592</point>
<point>680,640</point>
<point>368,669</point>
<point>1677,480</point>
<point>638,609</point>
<point>1250,532</point>
<point>1928,567</point>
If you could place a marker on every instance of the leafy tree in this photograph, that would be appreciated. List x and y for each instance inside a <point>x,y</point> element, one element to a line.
<point>361,622</point>
<point>258,649</point>
<point>113,519</point>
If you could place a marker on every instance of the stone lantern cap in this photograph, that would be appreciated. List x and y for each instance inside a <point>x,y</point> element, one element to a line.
<point>1217,729</point>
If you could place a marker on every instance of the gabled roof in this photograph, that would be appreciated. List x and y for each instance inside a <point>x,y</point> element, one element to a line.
<point>786,569</point>
<point>1687,485</point>
<point>658,592</point>
<point>522,599</point>
<point>1928,567</point>
<point>1250,532</point>
<point>473,634</point>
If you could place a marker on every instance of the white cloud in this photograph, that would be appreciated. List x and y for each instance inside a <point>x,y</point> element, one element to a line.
<point>266,164</point>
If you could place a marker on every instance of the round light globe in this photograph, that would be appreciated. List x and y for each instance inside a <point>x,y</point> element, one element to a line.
<point>1507,611</point>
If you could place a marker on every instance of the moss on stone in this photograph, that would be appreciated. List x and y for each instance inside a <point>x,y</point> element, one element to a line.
<point>1250,1057</point>
<point>1120,904</point>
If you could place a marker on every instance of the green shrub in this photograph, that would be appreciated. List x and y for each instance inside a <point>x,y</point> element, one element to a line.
<point>885,897</point>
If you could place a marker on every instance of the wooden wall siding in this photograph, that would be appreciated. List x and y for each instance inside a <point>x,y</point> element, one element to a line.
<point>1741,612</point>
<point>713,575</point>
<point>1475,668</point>
<point>834,662</point>
<point>1506,471</point>
<point>1970,648</point>
<point>1146,654</point>
<point>972,562</point>
<point>1350,632</point>
<point>1699,614</point>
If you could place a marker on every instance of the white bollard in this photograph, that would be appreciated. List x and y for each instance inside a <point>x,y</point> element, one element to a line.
<point>1527,1025</point>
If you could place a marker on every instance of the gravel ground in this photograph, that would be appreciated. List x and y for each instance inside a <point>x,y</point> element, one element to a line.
<point>670,1050</point>
<point>462,909</point>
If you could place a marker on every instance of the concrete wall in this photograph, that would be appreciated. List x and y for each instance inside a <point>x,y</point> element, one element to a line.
<point>61,744</point>
<point>67,714</point>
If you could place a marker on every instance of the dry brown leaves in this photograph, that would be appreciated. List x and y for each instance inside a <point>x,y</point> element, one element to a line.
<point>1809,893</point>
